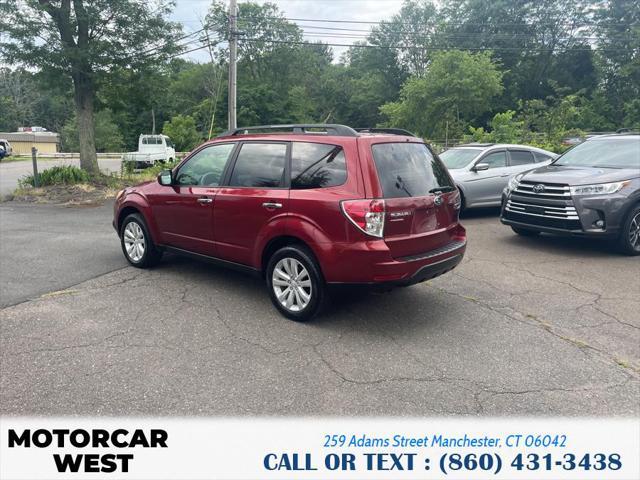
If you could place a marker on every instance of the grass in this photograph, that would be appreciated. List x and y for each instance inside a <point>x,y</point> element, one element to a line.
<point>70,185</point>
<point>58,175</point>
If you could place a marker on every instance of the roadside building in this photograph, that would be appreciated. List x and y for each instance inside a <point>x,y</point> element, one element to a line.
<point>21,142</point>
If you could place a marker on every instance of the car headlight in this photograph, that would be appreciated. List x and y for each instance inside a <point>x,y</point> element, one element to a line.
<point>513,182</point>
<point>598,188</point>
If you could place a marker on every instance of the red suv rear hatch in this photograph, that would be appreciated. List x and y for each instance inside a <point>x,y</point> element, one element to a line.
<point>421,201</point>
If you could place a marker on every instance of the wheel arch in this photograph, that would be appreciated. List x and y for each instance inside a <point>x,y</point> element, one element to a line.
<point>124,213</point>
<point>138,205</point>
<point>276,243</point>
<point>463,196</point>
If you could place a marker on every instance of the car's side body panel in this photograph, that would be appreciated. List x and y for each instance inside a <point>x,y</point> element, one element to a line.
<point>484,188</point>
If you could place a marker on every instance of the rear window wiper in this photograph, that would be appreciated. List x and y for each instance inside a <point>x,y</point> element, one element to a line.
<point>444,188</point>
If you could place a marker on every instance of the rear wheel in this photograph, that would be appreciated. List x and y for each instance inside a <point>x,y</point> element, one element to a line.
<point>525,232</point>
<point>629,240</point>
<point>136,242</point>
<point>295,284</point>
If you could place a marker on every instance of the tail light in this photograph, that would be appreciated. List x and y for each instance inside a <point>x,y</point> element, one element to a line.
<point>367,215</point>
<point>456,200</point>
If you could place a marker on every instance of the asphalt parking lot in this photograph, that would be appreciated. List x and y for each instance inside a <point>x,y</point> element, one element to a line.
<point>525,326</point>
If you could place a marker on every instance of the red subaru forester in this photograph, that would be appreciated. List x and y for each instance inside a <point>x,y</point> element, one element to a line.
<point>304,206</point>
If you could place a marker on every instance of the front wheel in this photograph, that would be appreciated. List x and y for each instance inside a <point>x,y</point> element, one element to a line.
<point>629,241</point>
<point>295,284</point>
<point>525,232</point>
<point>137,245</point>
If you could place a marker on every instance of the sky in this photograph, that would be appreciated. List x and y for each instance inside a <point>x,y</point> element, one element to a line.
<point>191,12</point>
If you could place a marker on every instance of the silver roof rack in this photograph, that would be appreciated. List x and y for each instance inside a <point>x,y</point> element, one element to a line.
<point>300,128</point>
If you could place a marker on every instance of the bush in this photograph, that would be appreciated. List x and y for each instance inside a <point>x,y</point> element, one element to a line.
<point>129,170</point>
<point>59,175</point>
<point>182,131</point>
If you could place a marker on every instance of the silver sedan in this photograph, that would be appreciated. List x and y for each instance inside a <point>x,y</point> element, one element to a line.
<point>482,170</point>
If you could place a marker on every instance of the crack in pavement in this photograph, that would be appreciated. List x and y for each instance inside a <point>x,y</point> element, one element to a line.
<point>64,289</point>
<point>494,393</point>
<point>259,345</point>
<point>593,303</point>
<point>545,326</point>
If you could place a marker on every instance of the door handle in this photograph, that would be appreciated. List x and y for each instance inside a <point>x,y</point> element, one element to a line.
<point>205,200</point>
<point>271,205</point>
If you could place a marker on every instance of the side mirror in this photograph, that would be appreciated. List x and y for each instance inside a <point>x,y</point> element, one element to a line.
<point>165,178</point>
<point>480,167</point>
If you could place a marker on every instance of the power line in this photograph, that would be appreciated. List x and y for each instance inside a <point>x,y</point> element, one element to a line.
<point>443,37</point>
<point>335,30</point>
<point>412,47</point>
<point>388,22</point>
<point>167,44</point>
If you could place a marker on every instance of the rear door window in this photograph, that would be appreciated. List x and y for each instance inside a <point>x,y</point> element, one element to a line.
<point>408,169</point>
<point>260,165</point>
<point>520,157</point>
<point>317,165</point>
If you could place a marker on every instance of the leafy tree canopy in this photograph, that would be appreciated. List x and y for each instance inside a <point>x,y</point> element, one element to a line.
<point>456,88</point>
<point>183,132</point>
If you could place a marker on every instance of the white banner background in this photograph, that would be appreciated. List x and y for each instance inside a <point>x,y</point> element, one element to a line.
<point>234,448</point>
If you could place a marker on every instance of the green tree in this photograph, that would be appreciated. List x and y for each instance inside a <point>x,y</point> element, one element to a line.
<point>618,31</point>
<point>183,132</point>
<point>83,40</point>
<point>506,129</point>
<point>457,88</point>
<point>418,25</point>
<point>534,41</point>
<point>107,135</point>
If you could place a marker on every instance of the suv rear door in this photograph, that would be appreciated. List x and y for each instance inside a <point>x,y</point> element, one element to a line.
<point>256,192</point>
<point>419,216</point>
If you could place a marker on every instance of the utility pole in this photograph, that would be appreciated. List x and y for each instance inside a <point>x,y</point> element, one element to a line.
<point>233,50</point>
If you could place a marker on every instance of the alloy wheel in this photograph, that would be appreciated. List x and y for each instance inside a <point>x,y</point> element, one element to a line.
<point>292,284</point>
<point>134,241</point>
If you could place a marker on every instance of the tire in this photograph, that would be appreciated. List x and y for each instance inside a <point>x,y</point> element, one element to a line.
<point>289,261</point>
<point>525,232</point>
<point>134,231</point>
<point>629,241</point>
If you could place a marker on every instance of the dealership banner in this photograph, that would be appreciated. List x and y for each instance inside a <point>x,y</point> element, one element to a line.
<point>319,448</point>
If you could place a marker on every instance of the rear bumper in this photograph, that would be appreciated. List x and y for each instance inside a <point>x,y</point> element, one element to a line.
<point>361,264</point>
<point>431,270</point>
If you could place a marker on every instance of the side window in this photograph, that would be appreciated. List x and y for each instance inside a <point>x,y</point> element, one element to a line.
<point>541,157</point>
<point>205,167</point>
<point>520,157</point>
<point>495,159</point>
<point>317,165</point>
<point>259,165</point>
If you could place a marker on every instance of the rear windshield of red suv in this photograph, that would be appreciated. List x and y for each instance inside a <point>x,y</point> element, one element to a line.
<point>408,170</point>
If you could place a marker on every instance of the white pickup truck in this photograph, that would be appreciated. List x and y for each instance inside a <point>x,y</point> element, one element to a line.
<point>151,149</point>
